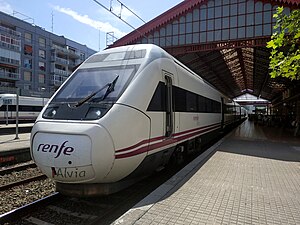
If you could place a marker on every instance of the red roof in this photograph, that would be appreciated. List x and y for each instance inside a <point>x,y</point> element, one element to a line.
<point>296,2</point>
<point>176,11</point>
<point>167,16</point>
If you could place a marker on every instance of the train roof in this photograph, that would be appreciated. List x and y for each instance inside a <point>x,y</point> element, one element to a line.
<point>8,95</point>
<point>128,52</point>
<point>137,51</point>
<point>13,96</point>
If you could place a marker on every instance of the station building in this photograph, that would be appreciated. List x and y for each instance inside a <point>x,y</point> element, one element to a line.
<point>224,41</point>
<point>35,60</point>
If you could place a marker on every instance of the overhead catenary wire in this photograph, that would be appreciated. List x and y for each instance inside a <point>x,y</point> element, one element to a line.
<point>131,11</point>
<point>109,10</point>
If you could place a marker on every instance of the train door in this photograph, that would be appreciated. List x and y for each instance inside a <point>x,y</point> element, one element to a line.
<point>169,125</point>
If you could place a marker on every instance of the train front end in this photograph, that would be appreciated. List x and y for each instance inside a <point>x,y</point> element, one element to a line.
<point>71,141</point>
<point>67,153</point>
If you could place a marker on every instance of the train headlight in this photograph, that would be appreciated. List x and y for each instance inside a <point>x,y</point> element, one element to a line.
<point>50,112</point>
<point>94,113</point>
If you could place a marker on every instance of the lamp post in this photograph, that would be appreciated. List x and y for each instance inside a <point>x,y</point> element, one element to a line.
<point>17,114</point>
<point>43,89</point>
<point>99,28</point>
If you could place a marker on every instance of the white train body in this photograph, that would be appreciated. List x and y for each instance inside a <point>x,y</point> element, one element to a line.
<point>29,107</point>
<point>120,115</point>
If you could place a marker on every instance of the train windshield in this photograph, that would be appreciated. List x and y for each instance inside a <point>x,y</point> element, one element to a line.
<point>93,82</point>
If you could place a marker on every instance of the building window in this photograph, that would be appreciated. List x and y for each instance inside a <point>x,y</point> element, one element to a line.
<point>42,54</point>
<point>3,38</point>
<point>10,56</point>
<point>28,63</point>
<point>27,76</point>
<point>27,87</point>
<point>42,66</point>
<point>9,40</point>
<point>42,42</point>
<point>28,37</point>
<point>27,49</point>
<point>82,56</point>
<point>41,78</point>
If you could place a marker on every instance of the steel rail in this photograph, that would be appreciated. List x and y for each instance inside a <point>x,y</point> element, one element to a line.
<point>16,168</point>
<point>29,208</point>
<point>23,181</point>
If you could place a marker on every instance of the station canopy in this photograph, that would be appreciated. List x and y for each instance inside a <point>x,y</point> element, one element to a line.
<point>224,41</point>
<point>248,99</point>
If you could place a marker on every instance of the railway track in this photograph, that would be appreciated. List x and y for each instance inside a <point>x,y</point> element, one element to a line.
<point>58,209</point>
<point>14,216</point>
<point>22,181</point>
<point>19,174</point>
<point>17,167</point>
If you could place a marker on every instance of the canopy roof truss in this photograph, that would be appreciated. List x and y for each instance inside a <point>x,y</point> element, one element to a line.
<point>224,41</point>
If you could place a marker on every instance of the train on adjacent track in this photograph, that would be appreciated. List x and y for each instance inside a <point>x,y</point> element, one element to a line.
<point>124,113</point>
<point>29,107</point>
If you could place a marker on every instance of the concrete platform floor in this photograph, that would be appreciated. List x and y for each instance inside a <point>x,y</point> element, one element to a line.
<point>251,177</point>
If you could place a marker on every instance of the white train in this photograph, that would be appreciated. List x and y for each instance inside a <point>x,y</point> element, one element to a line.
<point>29,107</point>
<point>125,112</point>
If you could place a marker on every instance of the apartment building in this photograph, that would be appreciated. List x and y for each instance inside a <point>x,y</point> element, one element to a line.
<point>35,60</point>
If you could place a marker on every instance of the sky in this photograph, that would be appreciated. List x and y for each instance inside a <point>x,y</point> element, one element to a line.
<point>85,21</point>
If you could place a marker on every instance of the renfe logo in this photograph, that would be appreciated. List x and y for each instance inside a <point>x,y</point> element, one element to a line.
<point>56,149</point>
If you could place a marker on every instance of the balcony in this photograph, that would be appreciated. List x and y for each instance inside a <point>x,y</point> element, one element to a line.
<point>10,46</point>
<point>60,49</point>
<point>73,54</point>
<point>9,61</point>
<point>10,31</point>
<point>9,76</point>
<point>57,80</point>
<point>59,60</point>
<point>60,72</point>
<point>66,51</point>
<point>72,64</point>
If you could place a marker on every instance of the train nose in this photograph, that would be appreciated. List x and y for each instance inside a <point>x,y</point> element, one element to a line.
<point>71,157</point>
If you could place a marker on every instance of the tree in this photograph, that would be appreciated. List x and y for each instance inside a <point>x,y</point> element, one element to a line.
<point>285,45</point>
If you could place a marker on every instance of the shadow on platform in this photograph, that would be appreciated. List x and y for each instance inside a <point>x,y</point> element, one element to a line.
<point>262,141</point>
<point>263,149</point>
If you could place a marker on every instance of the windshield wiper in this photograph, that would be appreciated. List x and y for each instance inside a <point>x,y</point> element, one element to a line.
<point>109,90</point>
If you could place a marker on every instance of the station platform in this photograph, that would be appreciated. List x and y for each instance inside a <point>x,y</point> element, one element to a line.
<point>11,128</point>
<point>4,126</point>
<point>10,143</point>
<point>252,176</point>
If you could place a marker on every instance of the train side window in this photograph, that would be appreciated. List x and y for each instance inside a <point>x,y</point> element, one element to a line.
<point>201,104</point>
<point>11,108</point>
<point>191,102</point>
<point>208,105</point>
<point>180,100</point>
<point>157,102</point>
<point>216,107</point>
